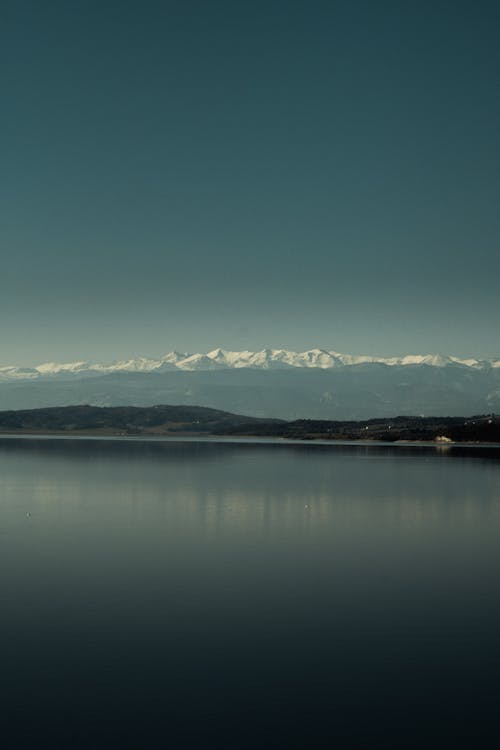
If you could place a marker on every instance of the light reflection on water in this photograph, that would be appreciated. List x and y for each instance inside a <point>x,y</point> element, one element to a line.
<point>225,592</point>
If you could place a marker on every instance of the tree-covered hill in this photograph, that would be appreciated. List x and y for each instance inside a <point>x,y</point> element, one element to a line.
<point>168,420</point>
<point>123,419</point>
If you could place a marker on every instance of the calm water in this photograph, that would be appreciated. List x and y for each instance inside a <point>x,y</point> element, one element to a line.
<point>184,594</point>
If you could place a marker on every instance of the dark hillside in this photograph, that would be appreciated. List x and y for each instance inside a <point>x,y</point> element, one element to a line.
<point>122,419</point>
<point>164,420</point>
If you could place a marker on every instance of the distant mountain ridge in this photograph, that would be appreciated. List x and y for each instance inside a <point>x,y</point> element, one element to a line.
<point>273,383</point>
<point>220,359</point>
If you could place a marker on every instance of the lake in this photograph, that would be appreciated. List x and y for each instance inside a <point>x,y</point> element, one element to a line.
<point>191,594</point>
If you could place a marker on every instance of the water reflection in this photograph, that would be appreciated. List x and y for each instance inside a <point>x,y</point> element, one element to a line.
<point>235,488</point>
<point>247,595</point>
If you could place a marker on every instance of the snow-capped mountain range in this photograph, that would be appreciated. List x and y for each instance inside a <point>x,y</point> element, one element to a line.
<point>220,359</point>
<point>317,384</point>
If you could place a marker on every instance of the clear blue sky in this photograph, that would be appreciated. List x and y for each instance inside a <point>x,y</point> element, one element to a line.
<point>247,174</point>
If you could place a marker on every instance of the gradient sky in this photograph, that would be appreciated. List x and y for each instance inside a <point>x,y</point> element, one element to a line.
<point>186,175</point>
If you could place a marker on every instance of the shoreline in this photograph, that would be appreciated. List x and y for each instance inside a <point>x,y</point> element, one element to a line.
<point>241,439</point>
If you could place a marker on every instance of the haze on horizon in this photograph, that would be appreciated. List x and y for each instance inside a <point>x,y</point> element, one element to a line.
<point>280,174</point>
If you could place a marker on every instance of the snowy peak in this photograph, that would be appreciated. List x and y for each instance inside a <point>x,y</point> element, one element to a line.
<point>218,359</point>
<point>53,368</point>
<point>199,362</point>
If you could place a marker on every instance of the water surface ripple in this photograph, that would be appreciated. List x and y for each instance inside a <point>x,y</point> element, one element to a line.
<point>206,594</point>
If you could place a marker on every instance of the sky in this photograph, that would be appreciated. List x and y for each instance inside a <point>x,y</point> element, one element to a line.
<point>188,175</point>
